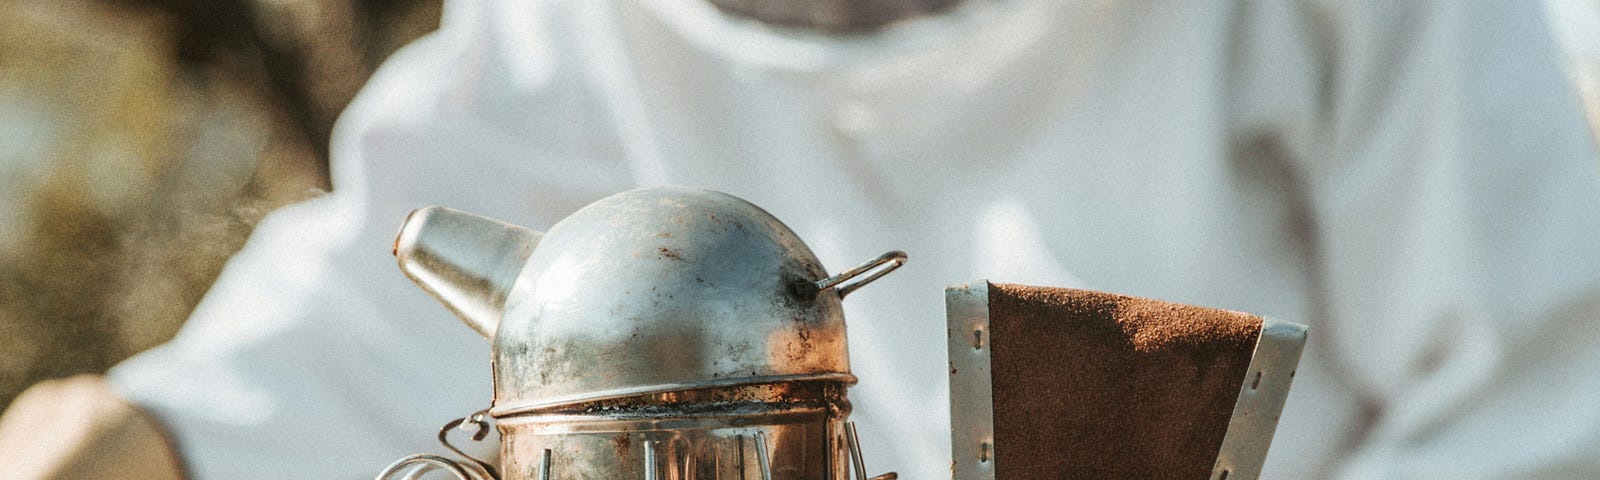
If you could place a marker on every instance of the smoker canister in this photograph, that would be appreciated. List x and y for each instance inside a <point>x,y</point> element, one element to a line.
<point>662,333</point>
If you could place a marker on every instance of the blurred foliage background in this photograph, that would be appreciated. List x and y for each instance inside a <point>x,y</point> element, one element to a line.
<point>141,140</point>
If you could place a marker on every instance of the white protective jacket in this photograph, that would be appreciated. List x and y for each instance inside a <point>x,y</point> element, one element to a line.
<point>1415,180</point>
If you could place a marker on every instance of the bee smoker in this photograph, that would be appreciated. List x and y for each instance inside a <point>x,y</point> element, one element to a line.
<point>665,333</point>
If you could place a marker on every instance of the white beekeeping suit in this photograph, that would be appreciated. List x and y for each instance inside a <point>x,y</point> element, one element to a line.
<point>1415,180</point>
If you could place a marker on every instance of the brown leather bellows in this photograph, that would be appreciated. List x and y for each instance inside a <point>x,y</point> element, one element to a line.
<point>1065,383</point>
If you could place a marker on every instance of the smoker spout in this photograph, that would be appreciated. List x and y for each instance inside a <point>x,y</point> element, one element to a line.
<point>465,261</point>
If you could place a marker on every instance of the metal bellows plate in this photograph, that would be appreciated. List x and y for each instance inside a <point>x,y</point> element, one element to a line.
<point>1061,383</point>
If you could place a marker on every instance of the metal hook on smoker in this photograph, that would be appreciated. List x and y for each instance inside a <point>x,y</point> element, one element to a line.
<point>476,420</point>
<point>877,267</point>
<point>855,456</point>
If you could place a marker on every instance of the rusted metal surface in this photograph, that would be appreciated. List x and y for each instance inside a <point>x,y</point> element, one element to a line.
<point>665,333</point>
<point>665,288</point>
<point>693,434</point>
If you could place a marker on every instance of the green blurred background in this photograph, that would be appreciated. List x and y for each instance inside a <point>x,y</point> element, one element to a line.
<point>140,140</point>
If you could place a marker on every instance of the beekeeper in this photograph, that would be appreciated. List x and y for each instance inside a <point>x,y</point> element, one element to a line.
<point>1415,180</point>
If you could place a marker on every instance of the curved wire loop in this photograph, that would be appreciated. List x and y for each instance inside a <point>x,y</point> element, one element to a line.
<point>472,469</point>
<point>415,465</point>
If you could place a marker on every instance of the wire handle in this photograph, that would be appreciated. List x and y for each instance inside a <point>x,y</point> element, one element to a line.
<point>845,282</point>
<point>473,469</point>
<point>415,465</point>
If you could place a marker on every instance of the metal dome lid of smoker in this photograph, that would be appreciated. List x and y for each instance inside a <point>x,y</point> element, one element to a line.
<point>664,332</point>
